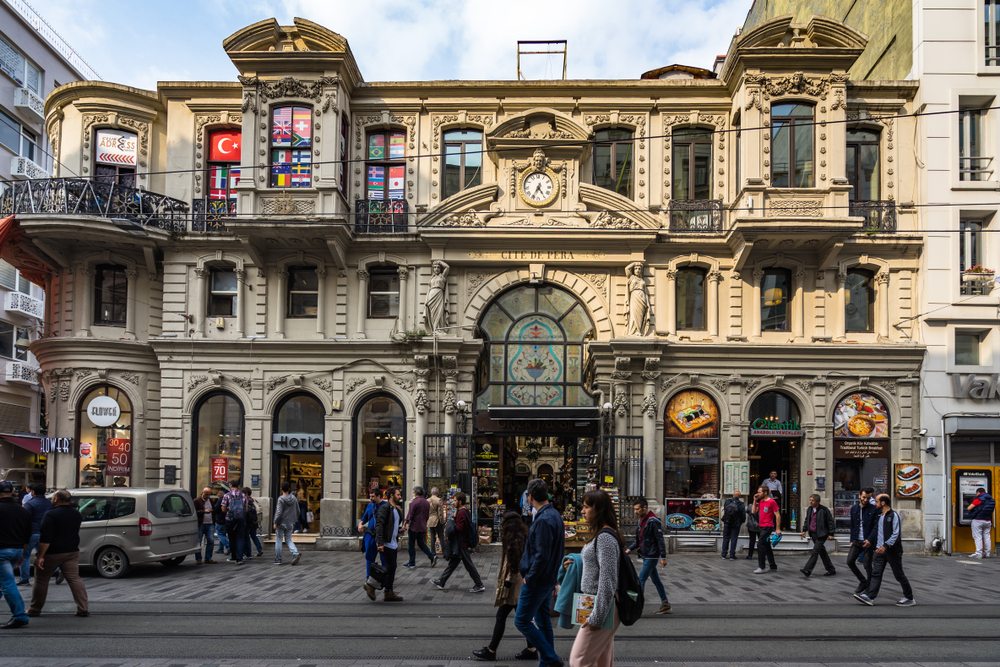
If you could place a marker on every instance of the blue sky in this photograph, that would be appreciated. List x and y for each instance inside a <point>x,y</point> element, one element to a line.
<point>139,42</point>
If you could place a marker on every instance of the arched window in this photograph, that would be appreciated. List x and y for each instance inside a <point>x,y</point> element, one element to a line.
<point>775,294</point>
<point>862,164</point>
<point>613,150</point>
<point>380,447</point>
<point>297,451</point>
<point>690,454</point>
<point>775,445</point>
<point>104,420</point>
<point>217,441</point>
<point>291,155</point>
<point>692,166</point>
<point>383,292</point>
<point>859,300</point>
<point>300,413</point>
<point>792,146</point>
<point>463,161</point>
<point>690,288</point>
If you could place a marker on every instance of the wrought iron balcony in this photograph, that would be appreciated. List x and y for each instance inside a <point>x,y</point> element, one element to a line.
<point>78,196</point>
<point>977,284</point>
<point>880,216</point>
<point>210,215</point>
<point>696,215</point>
<point>380,216</point>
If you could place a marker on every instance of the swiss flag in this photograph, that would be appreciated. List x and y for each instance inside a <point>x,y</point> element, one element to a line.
<point>224,146</point>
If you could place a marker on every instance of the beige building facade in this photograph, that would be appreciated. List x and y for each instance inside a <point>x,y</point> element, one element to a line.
<point>670,286</point>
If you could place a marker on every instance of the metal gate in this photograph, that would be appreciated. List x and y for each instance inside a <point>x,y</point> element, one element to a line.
<point>448,457</point>
<point>623,463</point>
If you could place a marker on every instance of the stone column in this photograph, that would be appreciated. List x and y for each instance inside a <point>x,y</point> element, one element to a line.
<point>132,276</point>
<point>85,318</point>
<point>712,296</point>
<point>882,282</point>
<point>450,373</point>
<point>841,306</point>
<point>362,302</point>
<point>421,371</point>
<point>321,301</point>
<point>281,303</point>
<point>200,301</point>
<point>671,288</point>
<point>650,408</point>
<point>798,303</point>
<point>241,280</point>
<point>758,275</point>
<point>404,297</point>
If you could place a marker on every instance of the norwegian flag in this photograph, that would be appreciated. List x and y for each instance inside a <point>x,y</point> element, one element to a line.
<point>281,134</point>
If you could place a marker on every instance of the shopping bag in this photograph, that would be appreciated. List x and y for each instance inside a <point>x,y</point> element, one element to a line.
<point>310,517</point>
<point>376,575</point>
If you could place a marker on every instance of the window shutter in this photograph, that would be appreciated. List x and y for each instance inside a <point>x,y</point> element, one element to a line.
<point>8,275</point>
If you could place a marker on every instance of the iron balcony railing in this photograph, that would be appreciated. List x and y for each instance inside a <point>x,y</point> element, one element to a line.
<point>380,216</point>
<point>211,215</point>
<point>977,284</point>
<point>78,196</point>
<point>880,216</point>
<point>696,215</point>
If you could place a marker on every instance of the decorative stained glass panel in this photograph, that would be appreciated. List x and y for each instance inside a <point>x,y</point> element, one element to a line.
<point>496,323</point>
<point>518,301</point>
<point>554,302</point>
<point>536,329</point>
<point>577,324</point>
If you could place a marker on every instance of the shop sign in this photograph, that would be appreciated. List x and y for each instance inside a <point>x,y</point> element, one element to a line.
<point>220,469</point>
<point>119,457</point>
<point>909,480</point>
<point>979,388</point>
<point>297,442</point>
<point>114,147</point>
<point>57,445</point>
<point>103,411</point>
<point>86,450</point>
<point>785,429</point>
<point>861,449</point>
<point>484,452</point>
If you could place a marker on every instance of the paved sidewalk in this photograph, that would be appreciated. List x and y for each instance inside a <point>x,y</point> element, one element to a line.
<point>215,662</point>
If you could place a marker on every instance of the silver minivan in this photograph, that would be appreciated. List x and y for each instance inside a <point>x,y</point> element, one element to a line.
<point>123,527</point>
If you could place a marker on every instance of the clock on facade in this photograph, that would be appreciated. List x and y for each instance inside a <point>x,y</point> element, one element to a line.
<point>538,187</point>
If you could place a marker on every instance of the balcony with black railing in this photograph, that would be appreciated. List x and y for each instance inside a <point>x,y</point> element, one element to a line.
<point>211,215</point>
<point>879,216</point>
<point>380,216</point>
<point>696,215</point>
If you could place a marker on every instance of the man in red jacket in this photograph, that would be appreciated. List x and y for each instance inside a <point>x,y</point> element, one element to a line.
<point>459,547</point>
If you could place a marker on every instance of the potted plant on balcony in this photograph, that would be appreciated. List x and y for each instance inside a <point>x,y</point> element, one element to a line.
<point>977,280</point>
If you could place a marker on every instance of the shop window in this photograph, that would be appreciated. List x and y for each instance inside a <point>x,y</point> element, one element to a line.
<point>105,447</point>
<point>613,150</point>
<point>384,165</point>
<point>291,139</point>
<point>859,300</point>
<point>383,293</point>
<point>690,288</point>
<point>218,442</point>
<point>9,336</point>
<point>224,290</point>
<point>380,447</point>
<point>861,431</point>
<point>792,146</point>
<point>110,295</point>
<point>115,157</point>
<point>974,161</point>
<point>297,445</point>
<point>863,164</point>
<point>690,454</point>
<point>775,293</point>
<point>463,161</point>
<point>967,348</point>
<point>303,291</point>
<point>345,166</point>
<point>692,164</point>
<point>223,170</point>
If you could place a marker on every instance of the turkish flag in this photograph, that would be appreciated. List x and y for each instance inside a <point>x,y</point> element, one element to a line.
<point>224,146</point>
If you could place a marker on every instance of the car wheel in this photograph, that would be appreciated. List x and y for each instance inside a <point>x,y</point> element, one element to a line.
<point>112,563</point>
<point>173,562</point>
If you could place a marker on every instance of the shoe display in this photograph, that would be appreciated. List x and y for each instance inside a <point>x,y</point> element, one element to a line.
<point>526,654</point>
<point>295,558</point>
<point>438,583</point>
<point>370,592</point>
<point>12,625</point>
<point>477,589</point>
<point>664,608</point>
<point>485,654</point>
<point>906,602</point>
<point>863,597</point>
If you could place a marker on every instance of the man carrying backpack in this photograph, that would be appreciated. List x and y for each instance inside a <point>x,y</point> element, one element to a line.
<point>462,538</point>
<point>254,511</point>
<point>387,522</point>
<point>734,513</point>
<point>649,543</point>
<point>234,504</point>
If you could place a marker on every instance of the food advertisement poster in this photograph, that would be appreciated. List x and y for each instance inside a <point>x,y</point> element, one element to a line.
<point>691,414</point>
<point>861,415</point>
<point>908,480</point>
<point>692,515</point>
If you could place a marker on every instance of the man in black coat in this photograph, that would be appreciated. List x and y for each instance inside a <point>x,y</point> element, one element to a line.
<point>388,519</point>
<point>818,524</point>
<point>863,515</point>
<point>460,545</point>
<point>15,533</point>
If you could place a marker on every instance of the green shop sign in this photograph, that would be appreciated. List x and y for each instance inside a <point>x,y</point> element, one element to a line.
<point>786,429</point>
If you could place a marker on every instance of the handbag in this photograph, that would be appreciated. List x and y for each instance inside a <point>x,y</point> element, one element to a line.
<point>774,538</point>
<point>376,575</point>
<point>753,523</point>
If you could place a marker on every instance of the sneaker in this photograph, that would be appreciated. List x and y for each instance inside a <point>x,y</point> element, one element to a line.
<point>970,556</point>
<point>439,584</point>
<point>295,558</point>
<point>863,598</point>
<point>434,561</point>
<point>259,553</point>
<point>477,589</point>
<point>906,602</point>
<point>409,564</point>
<point>664,608</point>
<point>24,582</point>
<point>485,654</point>
<point>759,570</point>
<point>277,562</point>
<point>239,562</point>
<point>526,654</point>
<point>725,556</point>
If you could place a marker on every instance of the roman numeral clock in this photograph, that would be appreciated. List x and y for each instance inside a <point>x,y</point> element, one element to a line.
<point>538,185</point>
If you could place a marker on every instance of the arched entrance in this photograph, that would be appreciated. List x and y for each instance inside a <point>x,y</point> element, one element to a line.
<point>297,451</point>
<point>104,423</point>
<point>776,446</point>
<point>379,449</point>
<point>217,447</point>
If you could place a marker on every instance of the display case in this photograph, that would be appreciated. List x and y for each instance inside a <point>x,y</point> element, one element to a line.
<point>842,502</point>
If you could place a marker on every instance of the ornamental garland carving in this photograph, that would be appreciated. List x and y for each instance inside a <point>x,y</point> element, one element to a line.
<point>467,219</point>
<point>64,390</point>
<point>793,84</point>
<point>325,385</point>
<point>274,383</point>
<point>195,381</point>
<point>421,401</point>
<point>241,382</point>
<point>810,208</point>
<point>598,280</point>
<point>449,402</point>
<point>476,280</point>
<point>128,376</point>
<point>607,221</point>
<point>354,383</point>
<point>649,405</point>
<point>403,383</point>
<point>722,384</point>
<point>85,373</point>
<point>288,87</point>
<point>437,123</point>
<point>621,404</point>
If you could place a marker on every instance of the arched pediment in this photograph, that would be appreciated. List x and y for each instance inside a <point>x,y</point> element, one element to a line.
<point>539,125</point>
<point>268,35</point>
<point>819,32</point>
<point>461,204</point>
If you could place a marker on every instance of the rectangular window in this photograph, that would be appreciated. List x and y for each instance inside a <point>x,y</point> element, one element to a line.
<point>792,146</point>
<point>384,170</point>
<point>345,167</point>
<point>8,275</point>
<point>291,139</point>
<point>17,67</point>
<point>222,300</point>
<point>115,157</point>
<point>991,32</point>
<point>973,162</point>
<point>110,295</point>
<point>463,161</point>
<point>692,164</point>
<point>862,164</point>
<point>967,345</point>
<point>613,161</point>
<point>10,133</point>
<point>9,335</point>
<point>774,296</point>
<point>29,146</point>
<point>970,243</point>
<point>303,291</point>
<point>739,140</point>
<point>690,299</point>
<point>383,294</point>
<point>223,170</point>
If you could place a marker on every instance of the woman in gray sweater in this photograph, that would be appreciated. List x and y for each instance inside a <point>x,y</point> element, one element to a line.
<point>594,645</point>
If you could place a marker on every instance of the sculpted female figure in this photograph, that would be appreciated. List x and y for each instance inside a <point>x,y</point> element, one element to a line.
<point>436,306</point>
<point>637,303</point>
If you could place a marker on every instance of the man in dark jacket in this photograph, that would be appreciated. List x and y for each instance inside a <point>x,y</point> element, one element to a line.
<point>459,547</point>
<point>37,506</point>
<point>59,548</point>
<point>649,543</point>
<point>219,516</point>
<point>734,514</point>
<point>416,527</point>
<point>543,555</point>
<point>203,510</point>
<point>388,519</point>
<point>981,512</point>
<point>818,524</point>
<point>885,539</point>
<point>15,532</point>
<point>863,515</point>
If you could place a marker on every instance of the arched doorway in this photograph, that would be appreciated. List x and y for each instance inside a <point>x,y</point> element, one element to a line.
<point>861,452</point>
<point>104,423</point>
<point>297,451</point>
<point>217,447</point>
<point>776,446</point>
<point>545,473</point>
<point>379,448</point>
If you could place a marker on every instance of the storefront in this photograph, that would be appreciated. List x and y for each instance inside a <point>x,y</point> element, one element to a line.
<point>691,481</point>
<point>380,448</point>
<point>297,446</point>
<point>861,444</point>
<point>104,423</point>
<point>218,442</point>
<point>776,446</point>
<point>975,464</point>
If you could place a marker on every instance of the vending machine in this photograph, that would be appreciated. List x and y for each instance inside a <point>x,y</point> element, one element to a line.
<point>965,481</point>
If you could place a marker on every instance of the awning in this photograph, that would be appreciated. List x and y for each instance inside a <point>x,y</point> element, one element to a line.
<point>971,424</point>
<point>537,413</point>
<point>30,442</point>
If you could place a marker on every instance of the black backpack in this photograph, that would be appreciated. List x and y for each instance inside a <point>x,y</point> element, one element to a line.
<point>629,597</point>
<point>731,514</point>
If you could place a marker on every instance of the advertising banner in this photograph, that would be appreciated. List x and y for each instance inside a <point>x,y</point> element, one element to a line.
<point>908,480</point>
<point>114,147</point>
<point>691,414</point>
<point>220,469</point>
<point>119,457</point>
<point>861,415</point>
<point>692,515</point>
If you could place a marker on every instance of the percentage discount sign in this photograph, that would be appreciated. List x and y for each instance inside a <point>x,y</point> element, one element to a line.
<point>119,457</point>
<point>220,469</point>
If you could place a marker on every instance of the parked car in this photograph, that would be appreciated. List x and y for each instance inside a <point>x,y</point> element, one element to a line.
<point>123,527</point>
<point>21,476</point>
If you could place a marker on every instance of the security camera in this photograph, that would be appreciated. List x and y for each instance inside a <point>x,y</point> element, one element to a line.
<point>922,432</point>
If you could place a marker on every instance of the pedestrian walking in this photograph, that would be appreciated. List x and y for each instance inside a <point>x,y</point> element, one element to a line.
<point>863,515</point>
<point>387,522</point>
<point>526,510</point>
<point>302,495</point>
<point>37,505</point>
<point>513,536</point>
<point>650,546</point>
<point>435,522</point>
<point>753,527</point>
<point>219,516</point>
<point>59,548</point>
<point>734,513</point>
<point>819,526</point>
<point>416,527</point>
<point>888,550</point>
<point>543,554</point>
<point>285,511</point>
<point>254,513</point>
<point>595,645</point>
<point>368,524</point>
<point>770,522</point>
<point>235,505</point>
<point>206,525</point>
<point>461,540</point>
<point>15,534</point>
<point>981,512</point>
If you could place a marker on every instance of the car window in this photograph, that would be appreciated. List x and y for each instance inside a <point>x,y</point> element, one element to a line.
<point>92,508</point>
<point>123,507</point>
<point>169,505</point>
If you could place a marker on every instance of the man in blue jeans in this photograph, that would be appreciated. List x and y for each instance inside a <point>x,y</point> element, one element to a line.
<point>15,532</point>
<point>543,554</point>
<point>650,545</point>
<point>206,525</point>
<point>37,506</point>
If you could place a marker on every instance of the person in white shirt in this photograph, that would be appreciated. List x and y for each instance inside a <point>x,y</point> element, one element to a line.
<point>773,484</point>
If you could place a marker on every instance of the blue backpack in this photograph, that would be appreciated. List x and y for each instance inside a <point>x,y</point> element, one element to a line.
<point>237,507</point>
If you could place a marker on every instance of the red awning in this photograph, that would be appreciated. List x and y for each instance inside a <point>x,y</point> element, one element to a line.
<point>31,443</point>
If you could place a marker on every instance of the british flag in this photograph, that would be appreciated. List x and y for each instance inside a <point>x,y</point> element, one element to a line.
<point>281,134</point>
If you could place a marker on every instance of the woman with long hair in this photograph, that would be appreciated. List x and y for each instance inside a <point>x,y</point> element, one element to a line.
<point>302,495</point>
<point>594,645</point>
<point>513,536</point>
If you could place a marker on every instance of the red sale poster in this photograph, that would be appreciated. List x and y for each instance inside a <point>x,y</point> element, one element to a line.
<point>119,457</point>
<point>220,469</point>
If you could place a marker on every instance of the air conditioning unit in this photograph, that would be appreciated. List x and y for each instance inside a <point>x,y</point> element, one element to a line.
<point>31,105</point>
<point>21,372</point>
<point>25,169</point>
<point>25,305</point>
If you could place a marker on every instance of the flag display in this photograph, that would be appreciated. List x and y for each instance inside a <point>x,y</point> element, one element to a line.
<point>396,182</point>
<point>301,131</point>
<point>281,132</point>
<point>397,147</point>
<point>281,175</point>
<point>218,177</point>
<point>376,147</point>
<point>234,179</point>
<point>224,146</point>
<point>376,182</point>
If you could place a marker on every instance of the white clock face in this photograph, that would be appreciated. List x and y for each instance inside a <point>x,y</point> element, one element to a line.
<point>538,187</point>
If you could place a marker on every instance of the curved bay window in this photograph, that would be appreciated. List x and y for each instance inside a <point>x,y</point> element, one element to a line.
<point>691,481</point>
<point>690,290</point>
<point>297,446</point>
<point>792,146</point>
<point>217,445</point>
<point>463,161</point>
<point>380,448</point>
<point>291,156</point>
<point>775,286</point>
<point>105,442</point>
<point>613,151</point>
<point>536,349</point>
<point>859,300</point>
<point>861,429</point>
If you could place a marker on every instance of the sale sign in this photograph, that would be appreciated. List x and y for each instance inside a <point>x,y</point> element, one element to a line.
<point>220,469</point>
<point>119,457</point>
